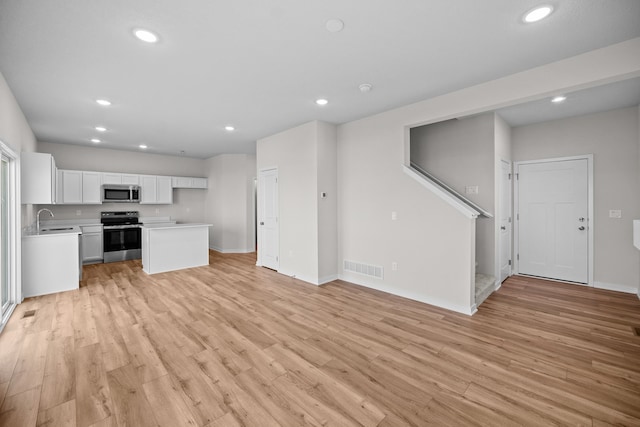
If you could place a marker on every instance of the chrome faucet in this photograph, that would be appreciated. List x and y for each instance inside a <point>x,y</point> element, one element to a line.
<point>38,218</point>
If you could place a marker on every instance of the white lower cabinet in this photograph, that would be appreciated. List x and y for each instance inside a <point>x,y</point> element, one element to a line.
<point>49,264</point>
<point>91,243</point>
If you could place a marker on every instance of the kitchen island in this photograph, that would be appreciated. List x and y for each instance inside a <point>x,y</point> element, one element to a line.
<point>168,247</point>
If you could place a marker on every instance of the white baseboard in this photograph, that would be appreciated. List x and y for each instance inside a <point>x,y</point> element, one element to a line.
<point>412,296</point>
<point>231,251</point>
<point>617,287</point>
<point>327,279</point>
<point>308,279</point>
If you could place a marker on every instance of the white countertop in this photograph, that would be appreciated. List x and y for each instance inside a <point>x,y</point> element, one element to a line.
<point>52,231</point>
<point>166,226</point>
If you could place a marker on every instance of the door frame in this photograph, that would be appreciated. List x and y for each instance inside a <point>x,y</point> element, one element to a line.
<point>259,213</point>
<point>510,206</point>
<point>590,223</point>
<point>14,261</point>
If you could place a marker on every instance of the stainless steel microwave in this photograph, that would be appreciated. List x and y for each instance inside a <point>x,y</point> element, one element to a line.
<point>121,193</point>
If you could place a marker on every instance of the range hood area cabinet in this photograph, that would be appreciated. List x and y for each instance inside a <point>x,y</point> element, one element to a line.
<point>37,178</point>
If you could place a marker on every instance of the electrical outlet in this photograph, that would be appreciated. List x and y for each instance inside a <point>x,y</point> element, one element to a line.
<point>394,266</point>
<point>157,210</point>
<point>78,212</point>
<point>394,216</point>
<point>615,213</point>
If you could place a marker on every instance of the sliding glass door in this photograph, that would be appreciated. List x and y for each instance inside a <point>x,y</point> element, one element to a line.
<point>5,273</point>
<point>9,224</point>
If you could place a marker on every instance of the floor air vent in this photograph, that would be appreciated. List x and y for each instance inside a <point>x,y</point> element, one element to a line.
<point>366,269</point>
<point>29,313</point>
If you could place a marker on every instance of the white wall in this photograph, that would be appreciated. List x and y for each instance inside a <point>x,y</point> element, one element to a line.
<point>305,158</point>
<point>15,133</point>
<point>612,138</point>
<point>327,207</point>
<point>461,153</point>
<point>230,202</point>
<point>293,152</point>
<point>429,241</point>
<point>188,204</point>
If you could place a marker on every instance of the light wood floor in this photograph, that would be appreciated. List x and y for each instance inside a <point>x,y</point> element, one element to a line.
<point>236,345</point>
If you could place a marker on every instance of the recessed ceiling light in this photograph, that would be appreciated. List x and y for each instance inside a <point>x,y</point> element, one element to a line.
<point>535,15</point>
<point>101,128</point>
<point>229,128</point>
<point>334,25</point>
<point>142,146</point>
<point>103,102</point>
<point>365,87</point>
<point>322,101</point>
<point>558,99</point>
<point>95,140</point>
<point>145,35</point>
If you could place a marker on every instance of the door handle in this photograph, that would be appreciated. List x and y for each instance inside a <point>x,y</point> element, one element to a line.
<point>581,228</point>
<point>503,227</point>
<point>581,219</point>
<point>261,223</point>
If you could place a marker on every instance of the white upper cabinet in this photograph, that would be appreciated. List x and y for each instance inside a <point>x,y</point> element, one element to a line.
<point>164,190</point>
<point>148,189</point>
<point>156,190</point>
<point>120,178</point>
<point>79,187</point>
<point>70,186</point>
<point>129,179</point>
<point>91,183</point>
<point>188,182</point>
<point>43,184</point>
<point>37,178</point>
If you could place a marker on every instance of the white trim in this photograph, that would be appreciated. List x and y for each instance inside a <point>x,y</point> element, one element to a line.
<point>232,251</point>
<point>472,309</point>
<point>590,228</point>
<point>307,279</point>
<point>14,226</point>
<point>615,287</point>
<point>496,231</point>
<point>327,279</point>
<point>461,207</point>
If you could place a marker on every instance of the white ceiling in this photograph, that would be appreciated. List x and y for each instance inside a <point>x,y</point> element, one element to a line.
<point>260,64</point>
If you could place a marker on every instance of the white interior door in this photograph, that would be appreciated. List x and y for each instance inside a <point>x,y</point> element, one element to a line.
<point>269,243</point>
<point>553,221</point>
<point>505,220</point>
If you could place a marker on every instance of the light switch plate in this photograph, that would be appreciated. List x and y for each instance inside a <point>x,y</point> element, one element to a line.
<point>615,213</point>
<point>471,189</point>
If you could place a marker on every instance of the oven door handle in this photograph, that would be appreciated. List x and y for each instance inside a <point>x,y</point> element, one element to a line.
<point>120,227</point>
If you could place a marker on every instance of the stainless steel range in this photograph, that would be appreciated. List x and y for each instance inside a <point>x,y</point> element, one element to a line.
<point>122,235</point>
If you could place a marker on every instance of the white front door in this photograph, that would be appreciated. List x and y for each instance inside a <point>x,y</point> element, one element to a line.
<point>268,230</point>
<point>553,219</point>
<point>505,220</point>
